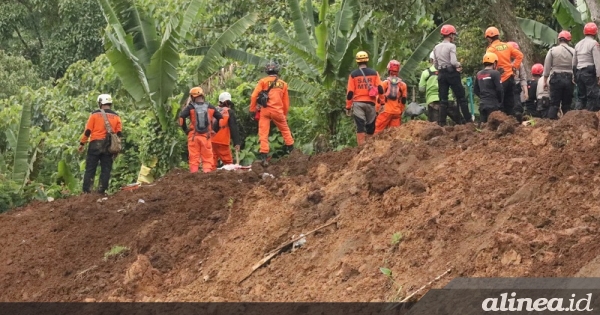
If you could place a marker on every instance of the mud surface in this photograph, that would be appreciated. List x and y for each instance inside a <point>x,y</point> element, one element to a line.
<point>502,201</point>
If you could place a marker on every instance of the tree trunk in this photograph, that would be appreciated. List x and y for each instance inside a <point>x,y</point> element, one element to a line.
<point>594,9</point>
<point>507,23</point>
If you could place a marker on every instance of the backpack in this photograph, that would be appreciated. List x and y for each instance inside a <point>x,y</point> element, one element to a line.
<point>432,72</point>
<point>112,142</point>
<point>393,89</point>
<point>202,125</point>
<point>263,96</point>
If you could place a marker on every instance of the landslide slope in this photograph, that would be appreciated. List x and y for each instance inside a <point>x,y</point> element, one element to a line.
<point>505,201</point>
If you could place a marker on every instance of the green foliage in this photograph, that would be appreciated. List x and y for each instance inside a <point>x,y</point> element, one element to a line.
<point>43,32</point>
<point>116,251</point>
<point>15,72</point>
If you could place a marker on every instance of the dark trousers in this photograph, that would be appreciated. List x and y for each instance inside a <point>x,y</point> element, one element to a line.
<point>561,91</point>
<point>96,154</point>
<point>508,101</point>
<point>530,108</point>
<point>450,79</point>
<point>589,91</point>
<point>519,110</point>
<point>485,111</point>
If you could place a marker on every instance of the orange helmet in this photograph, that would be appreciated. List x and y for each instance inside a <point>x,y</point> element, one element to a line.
<point>393,65</point>
<point>448,30</point>
<point>491,32</point>
<point>196,91</point>
<point>490,58</point>
<point>537,69</point>
<point>590,29</point>
<point>566,35</point>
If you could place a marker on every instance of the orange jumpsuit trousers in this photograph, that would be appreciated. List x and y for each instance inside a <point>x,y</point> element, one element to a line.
<point>387,120</point>
<point>264,124</point>
<point>223,152</point>
<point>200,148</point>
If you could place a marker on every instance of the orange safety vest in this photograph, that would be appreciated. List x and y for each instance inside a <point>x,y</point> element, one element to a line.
<point>224,134</point>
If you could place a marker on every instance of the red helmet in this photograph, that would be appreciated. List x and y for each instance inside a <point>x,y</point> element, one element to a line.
<point>537,69</point>
<point>565,35</point>
<point>448,30</point>
<point>590,29</point>
<point>393,65</point>
<point>515,45</point>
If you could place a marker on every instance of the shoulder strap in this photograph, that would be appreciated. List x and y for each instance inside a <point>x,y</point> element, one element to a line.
<point>364,76</point>
<point>106,123</point>
<point>567,50</point>
<point>272,84</point>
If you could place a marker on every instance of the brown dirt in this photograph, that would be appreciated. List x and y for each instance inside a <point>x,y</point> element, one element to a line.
<point>505,200</point>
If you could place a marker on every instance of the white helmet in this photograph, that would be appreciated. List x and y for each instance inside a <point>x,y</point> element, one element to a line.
<point>431,55</point>
<point>104,99</point>
<point>225,96</point>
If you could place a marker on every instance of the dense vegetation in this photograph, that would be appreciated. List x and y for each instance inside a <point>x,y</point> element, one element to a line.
<point>56,56</point>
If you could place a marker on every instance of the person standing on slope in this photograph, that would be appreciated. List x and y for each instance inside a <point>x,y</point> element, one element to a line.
<point>586,64</point>
<point>531,103</point>
<point>542,94</point>
<point>520,88</point>
<point>228,130</point>
<point>449,75</point>
<point>505,54</point>
<point>393,100</point>
<point>488,87</point>
<point>199,131</point>
<point>271,98</point>
<point>428,83</point>
<point>96,132</point>
<point>558,66</point>
<point>364,85</point>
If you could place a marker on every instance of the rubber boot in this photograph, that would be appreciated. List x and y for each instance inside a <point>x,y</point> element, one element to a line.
<point>264,159</point>
<point>289,148</point>
<point>443,114</point>
<point>553,112</point>
<point>360,138</point>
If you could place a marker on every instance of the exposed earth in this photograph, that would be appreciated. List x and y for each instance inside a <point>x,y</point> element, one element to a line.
<point>504,201</point>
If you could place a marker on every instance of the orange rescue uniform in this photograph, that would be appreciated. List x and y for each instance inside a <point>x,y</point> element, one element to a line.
<point>505,52</point>
<point>199,144</point>
<point>228,129</point>
<point>95,128</point>
<point>392,109</point>
<point>276,111</point>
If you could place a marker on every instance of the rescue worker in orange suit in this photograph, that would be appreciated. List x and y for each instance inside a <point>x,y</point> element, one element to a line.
<point>586,65</point>
<point>200,130</point>
<point>95,132</point>
<point>449,70</point>
<point>558,66</point>
<point>278,105</point>
<point>228,130</point>
<point>364,86</point>
<point>393,99</point>
<point>505,53</point>
<point>488,87</point>
<point>520,90</point>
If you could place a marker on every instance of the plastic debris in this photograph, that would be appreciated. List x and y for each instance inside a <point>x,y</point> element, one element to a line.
<point>299,242</point>
<point>102,199</point>
<point>141,201</point>
<point>266,175</point>
<point>233,167</point>
<point>50,199</point>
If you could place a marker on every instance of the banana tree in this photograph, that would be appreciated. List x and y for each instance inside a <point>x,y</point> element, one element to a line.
<point>146,61</point>
<point>21,166</point>
<point>323,50</point>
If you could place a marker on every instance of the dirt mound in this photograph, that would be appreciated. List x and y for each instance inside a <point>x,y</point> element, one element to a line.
<point>505,200</point>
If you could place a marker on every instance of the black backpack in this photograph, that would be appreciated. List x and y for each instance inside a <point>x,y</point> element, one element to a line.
<point>202,124</point>
<point>263,96</point>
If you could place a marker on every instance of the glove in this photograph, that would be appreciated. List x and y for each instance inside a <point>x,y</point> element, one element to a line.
<point>348,112</point>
